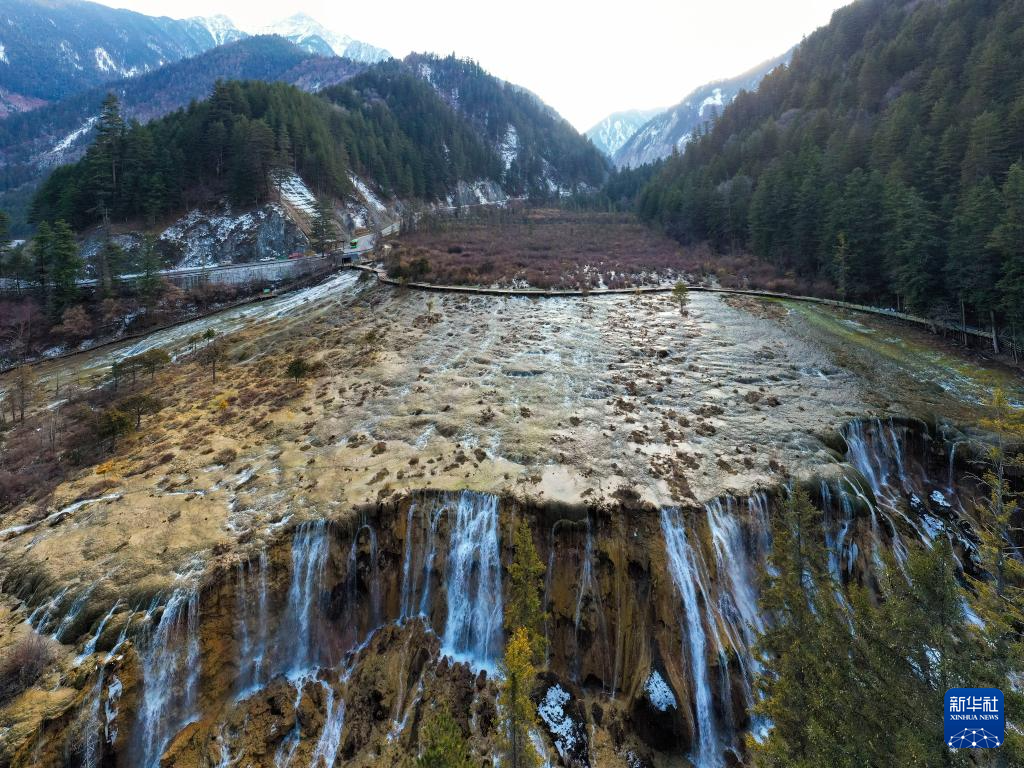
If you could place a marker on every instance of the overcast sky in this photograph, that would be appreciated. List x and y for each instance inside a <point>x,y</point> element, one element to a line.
<point>586,59</point>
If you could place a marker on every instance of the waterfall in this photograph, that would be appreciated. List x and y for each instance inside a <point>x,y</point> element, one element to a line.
<point>330,738</point>
<point>423,565</point>
<point>251,620</point>
<point>352,579</point>
<point>405,609</point>
<point>91,733</point>
<point>73,612</point>
<point>682,566</point>
<point>737,593</point>
<point>310,548</point>
<point>587,586</point>
<point>473,628</point>
<point>170,673</point>
<point>90,646</point>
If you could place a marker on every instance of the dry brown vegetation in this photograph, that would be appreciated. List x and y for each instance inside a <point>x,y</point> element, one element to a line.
<point>22,665</point>
<point>564,249</point>
<point>542,248</point>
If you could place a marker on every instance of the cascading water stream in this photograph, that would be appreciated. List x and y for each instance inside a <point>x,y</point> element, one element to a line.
<point>170,673</point>
<point>587,588</point>
<point>310,549</point>
<point>737,601</point>
<point>682,567</point>
<point>473,628</point>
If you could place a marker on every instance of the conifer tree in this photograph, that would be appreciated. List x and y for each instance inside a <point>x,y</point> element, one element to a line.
<point>442,743</point>
<point>517,711</point>
<point>65,266</point>
<point>324,232</point>
<point>526,584</point>
<point>1008,242</point>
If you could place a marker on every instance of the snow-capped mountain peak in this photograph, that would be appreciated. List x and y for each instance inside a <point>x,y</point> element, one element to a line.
<point>221,28</point>
<point>616,129</point>
<point>308,33</point>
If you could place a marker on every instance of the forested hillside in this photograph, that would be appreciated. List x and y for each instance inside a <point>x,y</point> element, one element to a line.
<point>33,142</point>
<point>225,145</point>
<point>385,125</point>
<point>401,135</point>
<point>542,154</point>
<point>886,158</point>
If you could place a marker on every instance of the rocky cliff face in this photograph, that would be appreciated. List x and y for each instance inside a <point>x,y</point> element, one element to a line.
<point>213,238</point>
<point>328,642</point>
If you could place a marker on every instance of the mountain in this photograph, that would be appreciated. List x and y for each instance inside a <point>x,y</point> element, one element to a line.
<point>541,153</point>
<point>405,135</point>
<point>885,160</point>
<point>308,33</point>
<point>33,142</point>
<point>50,49</point>
<point>616,129</point>
<point>672,129</point>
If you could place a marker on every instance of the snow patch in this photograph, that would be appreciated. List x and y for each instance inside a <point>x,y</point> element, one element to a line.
<point>509,146</point>
<point>295,192</point>
<point>714,100</point>
<point>564,730</point>
<point>3,54</point>
<point>658,692</point>
<point>62,146</point>
<point>103,61</point>
<point>364,191</point>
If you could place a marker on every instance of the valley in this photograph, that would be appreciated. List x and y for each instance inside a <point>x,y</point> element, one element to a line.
<point>358,409</point>
<point>428,417</point>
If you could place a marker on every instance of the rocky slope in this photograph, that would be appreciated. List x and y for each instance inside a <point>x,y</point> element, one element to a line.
<point>616,129</point>
<point>671,130</point>
<point>290,573</point>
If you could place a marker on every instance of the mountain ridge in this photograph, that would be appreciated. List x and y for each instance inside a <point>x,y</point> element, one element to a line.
<point>670,130</point>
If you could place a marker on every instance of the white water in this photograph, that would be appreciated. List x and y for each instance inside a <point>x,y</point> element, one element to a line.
<point>90,645</point>
<point>310,548</point>
<point>473,628</point>
<point>683,570</point>
<point>330,738</point>
<point>170,673</point>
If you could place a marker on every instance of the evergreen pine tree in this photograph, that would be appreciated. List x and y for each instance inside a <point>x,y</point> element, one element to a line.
<point>524,611</point>
<point>516,709</point>
<point>442,742</point>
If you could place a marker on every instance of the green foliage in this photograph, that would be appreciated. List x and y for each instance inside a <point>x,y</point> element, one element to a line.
<point>523,609</point>
<point>113,423</point>
<point>885,158</point>
<point>57,265</point>
<point>442,742</point>
<point>324,234</point>
<point>681,294</point>
<point>515,708</point>
<point>229,144</point>
<point>139,405</point>
<point>297,368</point>
<point>859,681</point>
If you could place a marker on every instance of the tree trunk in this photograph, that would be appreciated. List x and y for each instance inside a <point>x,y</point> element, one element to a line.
<point>963,320</point>
<point>995,338</point>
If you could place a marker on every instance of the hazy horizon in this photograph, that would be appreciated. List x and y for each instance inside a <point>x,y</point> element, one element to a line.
<point>661,50</point>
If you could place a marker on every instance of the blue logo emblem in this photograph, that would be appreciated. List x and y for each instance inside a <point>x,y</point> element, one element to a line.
<point>974,718</point>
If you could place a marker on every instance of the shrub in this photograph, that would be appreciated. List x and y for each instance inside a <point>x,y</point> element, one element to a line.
<point>297,368</point>
<point>22,665</point>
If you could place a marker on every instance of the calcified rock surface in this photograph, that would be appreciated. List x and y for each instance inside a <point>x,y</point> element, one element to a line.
<point>280,573</point>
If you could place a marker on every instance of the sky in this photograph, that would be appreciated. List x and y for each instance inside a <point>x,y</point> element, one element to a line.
<point>585,59</point>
